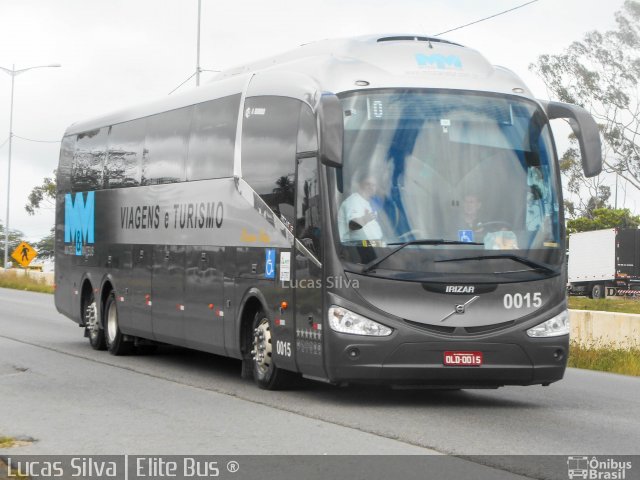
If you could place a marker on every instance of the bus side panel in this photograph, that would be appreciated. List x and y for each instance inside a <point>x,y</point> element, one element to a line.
<point>118,261</point>
<point>167,292</point>
<point>203,299</point>
<point>63,266</point>
<point>257,273</point>
<point>137,285</point>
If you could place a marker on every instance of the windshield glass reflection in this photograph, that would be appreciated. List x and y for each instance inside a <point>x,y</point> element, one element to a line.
<point>461,167</point>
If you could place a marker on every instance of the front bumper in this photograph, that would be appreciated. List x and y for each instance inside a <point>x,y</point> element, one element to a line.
<point>510,359</point>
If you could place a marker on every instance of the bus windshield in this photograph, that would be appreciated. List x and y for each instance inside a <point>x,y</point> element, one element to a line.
<point>450,174</point>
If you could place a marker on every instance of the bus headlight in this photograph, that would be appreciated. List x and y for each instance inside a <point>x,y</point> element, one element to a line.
<point>345,321</point>
<point>554,327</point>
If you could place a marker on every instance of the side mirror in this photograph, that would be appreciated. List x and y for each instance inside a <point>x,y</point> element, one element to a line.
<point>586,130</point>
<point>331,124</point>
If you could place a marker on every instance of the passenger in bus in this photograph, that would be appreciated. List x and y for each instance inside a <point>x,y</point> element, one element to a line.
<point>357,217</point>
<point>471,207</point>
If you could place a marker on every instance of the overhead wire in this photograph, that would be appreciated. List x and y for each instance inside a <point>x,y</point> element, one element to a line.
<point>192,75</point>
<point>485,18</point>
<point>33,140</point>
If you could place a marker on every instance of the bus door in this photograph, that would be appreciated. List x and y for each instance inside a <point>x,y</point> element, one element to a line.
<point>167,292</point>
<point>308,251</point>
<point>203,299</point>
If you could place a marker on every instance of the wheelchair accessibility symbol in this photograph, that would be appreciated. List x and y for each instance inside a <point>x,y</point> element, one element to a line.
<point>465,236</point>
<point>270,263</point>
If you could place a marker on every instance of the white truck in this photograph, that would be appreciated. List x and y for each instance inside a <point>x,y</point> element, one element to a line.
<point>604,262</point>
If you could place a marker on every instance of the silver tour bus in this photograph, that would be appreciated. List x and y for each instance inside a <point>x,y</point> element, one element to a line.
<point>380,209</point>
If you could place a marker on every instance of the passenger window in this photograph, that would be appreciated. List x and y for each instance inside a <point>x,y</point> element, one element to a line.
<point>213,138</point>
<point>166,146</point>
<point>124,155</point>
<point>66,162</point>
<point>88,160</point>
<point>307,132</point>
<point>269,134</point>
<point>308,219</point>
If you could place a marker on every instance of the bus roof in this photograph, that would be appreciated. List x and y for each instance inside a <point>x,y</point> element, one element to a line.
<point>340,65</point>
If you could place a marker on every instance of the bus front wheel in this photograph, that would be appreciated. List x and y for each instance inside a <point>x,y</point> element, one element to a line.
<point>113,336</point>
<point>265,373</point>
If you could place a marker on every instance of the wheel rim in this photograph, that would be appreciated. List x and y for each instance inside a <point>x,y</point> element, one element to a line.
<point>112,323</point>
<point>262,346</point>
<point>91,319</point>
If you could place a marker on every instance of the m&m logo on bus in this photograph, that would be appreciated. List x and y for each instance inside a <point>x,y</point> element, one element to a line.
<point>79,223</point>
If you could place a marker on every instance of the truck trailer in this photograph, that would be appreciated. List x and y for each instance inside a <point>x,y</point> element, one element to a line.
<point>604,262</point>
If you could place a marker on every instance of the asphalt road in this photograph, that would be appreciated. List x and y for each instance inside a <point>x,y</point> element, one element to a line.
<point>74,400</point>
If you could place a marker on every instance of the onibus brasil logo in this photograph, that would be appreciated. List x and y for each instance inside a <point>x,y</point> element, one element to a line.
<point>597,468</point>
<point>79,223</point>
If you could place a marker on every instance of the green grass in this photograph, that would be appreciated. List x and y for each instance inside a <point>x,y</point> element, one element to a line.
<point>621,304</point>
<point>17,281</point>
<point>605,358</point>
<point>6,442</point>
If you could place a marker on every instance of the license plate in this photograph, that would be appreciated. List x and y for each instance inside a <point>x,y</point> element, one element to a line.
<point>463,359</point>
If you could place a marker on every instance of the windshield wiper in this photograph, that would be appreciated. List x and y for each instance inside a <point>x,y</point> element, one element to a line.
<point>426,241</point>
<point>525,261</point>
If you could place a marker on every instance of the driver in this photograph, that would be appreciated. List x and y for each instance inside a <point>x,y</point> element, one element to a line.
<point>357,218</point>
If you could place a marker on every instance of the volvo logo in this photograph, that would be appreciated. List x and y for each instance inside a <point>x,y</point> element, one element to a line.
<point>460,308</point>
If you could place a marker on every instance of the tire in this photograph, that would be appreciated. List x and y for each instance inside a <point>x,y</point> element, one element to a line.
<point>597,291</point>
<point>265,373</point>
<point>113,336</point>
<point>93,330</point>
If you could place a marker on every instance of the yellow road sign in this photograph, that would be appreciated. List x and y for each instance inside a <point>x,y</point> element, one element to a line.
<point>24,254</point>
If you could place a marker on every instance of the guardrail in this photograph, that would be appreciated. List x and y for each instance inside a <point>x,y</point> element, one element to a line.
<point>607,329</point>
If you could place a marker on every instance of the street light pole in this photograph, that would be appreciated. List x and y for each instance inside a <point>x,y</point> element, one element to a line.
<point>198,47</point>
<point>13,72</point>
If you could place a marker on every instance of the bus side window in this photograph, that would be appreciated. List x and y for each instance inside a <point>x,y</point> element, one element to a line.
<point>63,180</point>
<point>269,135</point>
<point>307,131</point>
<point>124,154</point>
<point>166,146</point>
<point>308,219</point>
<point>88,160</point>
<point>213,138</point>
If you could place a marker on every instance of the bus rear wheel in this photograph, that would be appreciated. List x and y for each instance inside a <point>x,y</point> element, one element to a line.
<point>265,373</point>
<point>92,324</point>
<point>114,337</point>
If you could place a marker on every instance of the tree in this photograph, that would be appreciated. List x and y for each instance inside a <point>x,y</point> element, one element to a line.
<point>15,238</point>
<point>601,73</point>
<point>604,218</point>
<point>42,195</point>
<point>46,245</point>
<point>589,192</point>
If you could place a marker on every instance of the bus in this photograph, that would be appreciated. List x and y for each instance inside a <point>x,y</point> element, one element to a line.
<point>378,209</point>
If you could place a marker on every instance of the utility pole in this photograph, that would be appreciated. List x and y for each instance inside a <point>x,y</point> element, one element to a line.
<point>198,47</point>
<point>13,72</point>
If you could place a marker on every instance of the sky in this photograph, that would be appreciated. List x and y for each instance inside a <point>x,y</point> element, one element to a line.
<point>115,53</point>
